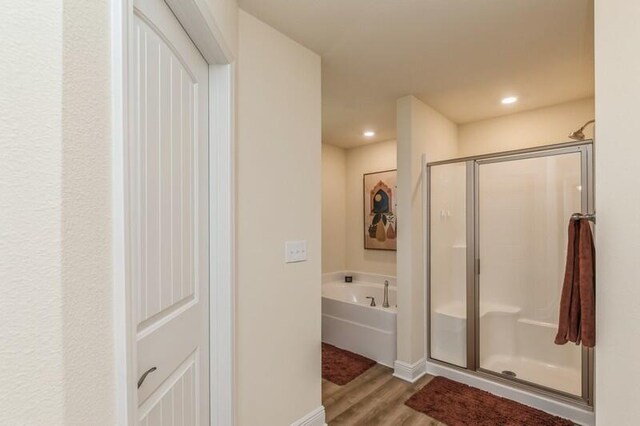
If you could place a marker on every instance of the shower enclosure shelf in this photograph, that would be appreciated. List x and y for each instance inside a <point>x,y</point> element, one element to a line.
<point>459,310</point>
<point>511,210</point>
<point>449,325</point>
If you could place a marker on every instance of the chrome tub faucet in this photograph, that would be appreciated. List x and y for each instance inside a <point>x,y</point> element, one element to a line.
<point>385,301</point>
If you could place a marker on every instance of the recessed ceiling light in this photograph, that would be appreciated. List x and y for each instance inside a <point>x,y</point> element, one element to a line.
<point>369,133</point>
<point>509,100</point>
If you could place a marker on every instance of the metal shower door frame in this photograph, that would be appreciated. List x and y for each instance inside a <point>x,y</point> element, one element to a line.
<point>585,149</point>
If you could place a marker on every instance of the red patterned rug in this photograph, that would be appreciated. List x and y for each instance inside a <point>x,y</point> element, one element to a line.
<point>340,366</point>
<point>457,404</point>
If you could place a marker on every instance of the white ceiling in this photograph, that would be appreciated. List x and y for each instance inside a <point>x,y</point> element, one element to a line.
<point>459,56</point>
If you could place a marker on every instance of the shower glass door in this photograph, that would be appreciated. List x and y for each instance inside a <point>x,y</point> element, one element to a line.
<point>447,265</point>
<point>523,207</point>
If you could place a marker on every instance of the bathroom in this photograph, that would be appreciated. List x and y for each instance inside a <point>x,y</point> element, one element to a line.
<point>503,182</point>
<point>250,212</point>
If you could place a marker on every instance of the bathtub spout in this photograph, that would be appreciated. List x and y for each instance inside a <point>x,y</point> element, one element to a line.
<point>385,301</point>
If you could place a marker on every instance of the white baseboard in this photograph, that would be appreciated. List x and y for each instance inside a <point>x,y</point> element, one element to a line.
<point>314,418</point>
<point>409,372</point>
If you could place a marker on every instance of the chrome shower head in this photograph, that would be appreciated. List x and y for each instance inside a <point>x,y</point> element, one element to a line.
<point>578,135</point>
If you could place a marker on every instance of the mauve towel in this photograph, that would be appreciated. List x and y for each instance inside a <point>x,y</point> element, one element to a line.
<point>577,322</point>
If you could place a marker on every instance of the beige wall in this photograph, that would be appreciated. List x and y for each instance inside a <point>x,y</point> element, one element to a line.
<point>334,209</point>
<point>618,207</point>
<point>31,361</point>
<point>366,159</point>
<point>57,361</point>
<point>342,208</point>
<point>526,129</point>
<point>421,130</point>
<point>278,199</point>
<point>86,214</point>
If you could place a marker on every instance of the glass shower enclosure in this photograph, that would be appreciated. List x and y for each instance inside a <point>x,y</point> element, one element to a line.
<point>497,237</point>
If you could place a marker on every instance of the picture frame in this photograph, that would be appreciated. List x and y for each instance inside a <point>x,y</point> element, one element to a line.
<point>380,210</point>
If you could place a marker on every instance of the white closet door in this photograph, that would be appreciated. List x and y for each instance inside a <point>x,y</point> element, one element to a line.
<point>168,212</point>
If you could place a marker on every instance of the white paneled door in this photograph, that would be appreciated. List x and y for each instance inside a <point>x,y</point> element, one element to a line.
<point>168,213</point>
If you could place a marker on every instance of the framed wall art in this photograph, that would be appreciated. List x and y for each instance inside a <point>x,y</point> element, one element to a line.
<point>380,201</point>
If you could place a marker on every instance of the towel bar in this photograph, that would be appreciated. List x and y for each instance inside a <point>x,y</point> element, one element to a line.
<point>589,216</point>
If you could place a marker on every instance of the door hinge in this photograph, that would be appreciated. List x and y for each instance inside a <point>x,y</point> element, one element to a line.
<point>478,266</point>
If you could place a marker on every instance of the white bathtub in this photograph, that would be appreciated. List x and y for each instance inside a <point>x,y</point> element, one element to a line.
<point>349,322</point>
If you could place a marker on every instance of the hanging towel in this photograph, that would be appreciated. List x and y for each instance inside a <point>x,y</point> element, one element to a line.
<point>577,322</point>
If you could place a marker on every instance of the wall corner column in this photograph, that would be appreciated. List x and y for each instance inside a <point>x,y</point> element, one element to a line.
<point>422,132</point>
<point>409,267</point>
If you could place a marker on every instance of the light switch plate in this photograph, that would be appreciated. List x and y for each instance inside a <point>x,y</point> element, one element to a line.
<point>295,251</point>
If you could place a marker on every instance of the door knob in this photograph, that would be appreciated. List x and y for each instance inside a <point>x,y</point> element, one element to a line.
<point>144,376</point>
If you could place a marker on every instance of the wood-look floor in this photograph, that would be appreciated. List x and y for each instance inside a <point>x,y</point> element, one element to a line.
<point>374,398</point>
